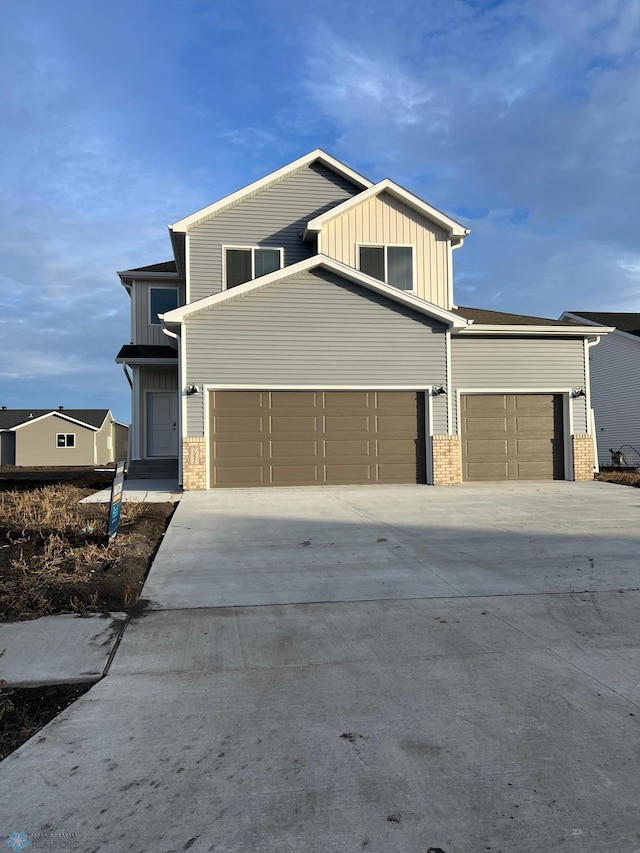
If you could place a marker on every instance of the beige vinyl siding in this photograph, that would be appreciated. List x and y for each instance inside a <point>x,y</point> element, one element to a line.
<point>120,442</point>
<point>36,443</point>
<point>104,453</point>
<point>314,329</point>
<point>274,217</point>
<point>154,379</point>
<point>615,395</point>
<point>386,220</point>
<point>144,332</point>
<point>519,365</point>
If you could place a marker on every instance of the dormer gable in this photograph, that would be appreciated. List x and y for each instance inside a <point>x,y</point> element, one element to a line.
<point>388,232</point>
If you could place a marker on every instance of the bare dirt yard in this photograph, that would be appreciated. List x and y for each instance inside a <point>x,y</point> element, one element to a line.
<point>54,558</point>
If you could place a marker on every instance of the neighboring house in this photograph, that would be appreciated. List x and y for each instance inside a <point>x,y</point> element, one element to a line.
<point>61,437</point>
<point>306,333</point>
<point>615,383</point>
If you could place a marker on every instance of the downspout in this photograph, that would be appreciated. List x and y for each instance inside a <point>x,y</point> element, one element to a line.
<point>591,421</point>
<point>177,338</point>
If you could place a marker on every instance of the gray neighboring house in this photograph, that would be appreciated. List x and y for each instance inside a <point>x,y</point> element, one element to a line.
<point>61,437</point>
<point>615,382</point>
<point>306,333</point>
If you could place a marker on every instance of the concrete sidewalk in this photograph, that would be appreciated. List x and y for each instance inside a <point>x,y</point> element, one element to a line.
<point>142,491</point>
<point>58,649</point>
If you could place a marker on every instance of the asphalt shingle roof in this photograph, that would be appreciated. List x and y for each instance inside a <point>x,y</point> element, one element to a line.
<point>500,318</point>
<point>165,266</point>
<point>12,417</point>
<point>625,321</point>
<point>147,351</point>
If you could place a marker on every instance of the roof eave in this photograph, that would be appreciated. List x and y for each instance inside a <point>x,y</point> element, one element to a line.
<point>572,330</point>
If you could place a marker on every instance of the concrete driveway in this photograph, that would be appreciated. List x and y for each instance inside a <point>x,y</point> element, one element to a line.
<point>447,710</point>
<point>357,543</point>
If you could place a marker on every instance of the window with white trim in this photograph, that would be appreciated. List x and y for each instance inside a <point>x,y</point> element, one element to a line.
<point>161,300</point>
<point>391,264</point>
<point>66,439</point>
<point>245,264</point>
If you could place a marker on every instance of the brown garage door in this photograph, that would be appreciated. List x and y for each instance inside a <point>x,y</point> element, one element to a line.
<point>512,437</point>
<point>294,438</point>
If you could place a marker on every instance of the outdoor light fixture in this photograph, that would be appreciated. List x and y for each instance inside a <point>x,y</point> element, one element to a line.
<point>191,390</point>
<point>438,391</point>
<point>578,392</point>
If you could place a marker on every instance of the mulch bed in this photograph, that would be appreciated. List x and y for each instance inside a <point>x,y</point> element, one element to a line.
<point>622,478</point>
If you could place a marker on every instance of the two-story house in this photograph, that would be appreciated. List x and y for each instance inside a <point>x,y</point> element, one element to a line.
<point>306,333</point>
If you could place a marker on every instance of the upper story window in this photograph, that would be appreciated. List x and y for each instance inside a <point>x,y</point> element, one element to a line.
<point>391,264</point>
<point>242,265</point>
<point>161,300</point>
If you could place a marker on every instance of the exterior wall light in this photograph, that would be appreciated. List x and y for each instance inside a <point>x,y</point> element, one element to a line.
<point>438,390</point>
<point>578,392</point>
<point>191,390</point>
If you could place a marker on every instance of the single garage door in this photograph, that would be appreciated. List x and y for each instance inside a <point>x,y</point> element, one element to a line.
<point>295,438</point>
<point>512,437</point>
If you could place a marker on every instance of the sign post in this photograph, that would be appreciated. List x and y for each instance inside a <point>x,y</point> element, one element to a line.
<point>116,501</point>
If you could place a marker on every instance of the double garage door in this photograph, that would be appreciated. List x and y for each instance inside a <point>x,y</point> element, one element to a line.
<point>295,438</point>
<point>512,437</point>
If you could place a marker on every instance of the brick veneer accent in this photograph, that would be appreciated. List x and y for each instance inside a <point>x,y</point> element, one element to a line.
<point>447,468</point>
<point>194,464</point>
<point>583,457</point>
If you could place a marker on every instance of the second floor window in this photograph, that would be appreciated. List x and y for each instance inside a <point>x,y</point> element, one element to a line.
<point>391,264</point>
<point>161,300</point>
<point>244,265</point>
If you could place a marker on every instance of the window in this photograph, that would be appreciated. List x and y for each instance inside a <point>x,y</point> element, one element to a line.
<point>244,265</point>
<point>161,299</point>
<point>67,439</point>
<point>391,264</point>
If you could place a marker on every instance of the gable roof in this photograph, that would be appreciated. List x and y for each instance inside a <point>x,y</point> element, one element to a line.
<point>318,155</point>
<point>176,316</point>
<point>624,321</point>
<point>457,232</point>
<point>485,321</point>
<point>92,418</point>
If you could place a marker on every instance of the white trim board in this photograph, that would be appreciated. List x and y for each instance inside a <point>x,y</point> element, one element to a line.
<point>456,231</point>
<point>176,316</point>
<point>58,414</point>
<point>318,155</point>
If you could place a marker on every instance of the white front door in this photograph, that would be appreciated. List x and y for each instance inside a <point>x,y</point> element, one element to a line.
<point>162,423</point>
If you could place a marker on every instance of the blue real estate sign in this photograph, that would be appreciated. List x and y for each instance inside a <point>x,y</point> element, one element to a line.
<point>116,501</point>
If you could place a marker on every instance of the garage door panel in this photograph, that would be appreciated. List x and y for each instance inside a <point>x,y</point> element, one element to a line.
<point>293,425</point>
<point>511,436</point>
<point>238,450</point>
<point>293,449</point>
<point>294,475</point>
<point>344,448</point>
<point>346,474</point>
<point>236,425</point>
<point>290,402</point>
<point>355,425</point>
<point>238,476</point>
<point>348,402</point>
<point>283,438</point>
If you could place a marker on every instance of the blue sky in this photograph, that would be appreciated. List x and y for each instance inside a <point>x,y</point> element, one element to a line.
<point>519,118</point>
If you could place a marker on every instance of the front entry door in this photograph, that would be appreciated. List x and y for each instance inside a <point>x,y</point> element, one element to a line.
<point>162,424</point>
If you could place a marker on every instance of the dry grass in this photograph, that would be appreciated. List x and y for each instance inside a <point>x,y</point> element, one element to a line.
<point>623,478</point>
<point>59,545</point>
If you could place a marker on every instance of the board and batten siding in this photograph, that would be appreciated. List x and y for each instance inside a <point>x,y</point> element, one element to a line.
<point>521,365</point>
<point>614,365</point>
<point>274,217</point>
<point>384,219</point>
<point>314,329</point>
<point>144,332</point>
